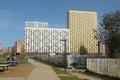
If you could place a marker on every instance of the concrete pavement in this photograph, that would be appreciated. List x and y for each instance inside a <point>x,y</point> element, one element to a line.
<point>42,72</point>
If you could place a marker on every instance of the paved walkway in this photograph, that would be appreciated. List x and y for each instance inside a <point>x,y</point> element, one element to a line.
<point>42,72</point>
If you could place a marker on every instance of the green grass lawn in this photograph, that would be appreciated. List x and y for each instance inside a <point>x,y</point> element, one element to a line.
<point>69,78</point>
<point>65,74</point>
<point>3,59</point>
<point>58,71</point>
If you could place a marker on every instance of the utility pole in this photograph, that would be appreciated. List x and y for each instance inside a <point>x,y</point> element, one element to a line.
<point>98,49</point>
<point>64,55</point>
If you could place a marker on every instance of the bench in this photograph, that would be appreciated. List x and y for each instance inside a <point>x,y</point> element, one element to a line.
<point>5,66</point>
<point>14,62</point>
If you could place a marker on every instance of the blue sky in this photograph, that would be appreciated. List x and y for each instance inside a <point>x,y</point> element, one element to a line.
<point>14,13</point>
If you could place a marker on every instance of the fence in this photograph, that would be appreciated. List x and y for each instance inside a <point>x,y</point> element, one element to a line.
<point>82,60</point>
<point>58,59</point>
<point>105,66</point>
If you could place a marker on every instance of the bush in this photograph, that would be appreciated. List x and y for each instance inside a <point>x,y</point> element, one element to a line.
<point>83,50</point>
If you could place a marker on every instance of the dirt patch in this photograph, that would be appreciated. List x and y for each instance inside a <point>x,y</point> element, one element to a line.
<point>21,70</point>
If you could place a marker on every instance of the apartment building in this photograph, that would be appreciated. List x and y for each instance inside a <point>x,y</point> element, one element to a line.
<point>82,27</point>
<point>44,40</point>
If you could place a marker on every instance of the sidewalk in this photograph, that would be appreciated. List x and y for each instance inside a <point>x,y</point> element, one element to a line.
<point>42,72</point>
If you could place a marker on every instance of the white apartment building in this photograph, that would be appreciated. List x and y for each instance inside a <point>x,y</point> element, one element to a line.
<point>44,40</point>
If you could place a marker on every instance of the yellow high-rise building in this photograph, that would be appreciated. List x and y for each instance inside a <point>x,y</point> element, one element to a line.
<point>82,27</point>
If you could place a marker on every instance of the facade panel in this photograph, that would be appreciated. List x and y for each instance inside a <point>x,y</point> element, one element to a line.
<point>36,24</point>
<point>82,27</point>
<point>45,40</point>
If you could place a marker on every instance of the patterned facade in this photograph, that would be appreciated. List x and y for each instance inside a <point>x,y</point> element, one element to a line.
<point>82,27</point>
<point>36,24</point>
<point>45,40</point>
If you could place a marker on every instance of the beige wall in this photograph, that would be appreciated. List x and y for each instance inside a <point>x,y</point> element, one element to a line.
<point>19,46</point>
<point>82,25</point>
<point>102,48</point>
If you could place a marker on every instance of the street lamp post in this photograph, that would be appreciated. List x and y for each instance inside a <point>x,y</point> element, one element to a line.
<point>64,55</point>
<point>48,53</point>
